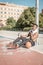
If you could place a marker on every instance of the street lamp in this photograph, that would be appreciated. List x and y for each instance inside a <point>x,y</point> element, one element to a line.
<point>37,15</point>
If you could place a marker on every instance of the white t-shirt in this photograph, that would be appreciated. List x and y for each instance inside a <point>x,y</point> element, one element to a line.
<point>34,31</point>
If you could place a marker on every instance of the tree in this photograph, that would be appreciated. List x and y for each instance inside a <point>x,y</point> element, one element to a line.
<point>26,18</point>
<point>10,23</point>
<point>41,20</point>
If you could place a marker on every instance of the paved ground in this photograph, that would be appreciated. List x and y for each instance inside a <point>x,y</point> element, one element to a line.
<point>14,34</point>
<point>20,56</point>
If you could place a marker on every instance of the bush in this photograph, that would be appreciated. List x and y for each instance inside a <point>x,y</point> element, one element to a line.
<point>26,28</point>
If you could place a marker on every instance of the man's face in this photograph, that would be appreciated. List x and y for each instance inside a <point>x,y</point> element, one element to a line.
<point>34,27</point>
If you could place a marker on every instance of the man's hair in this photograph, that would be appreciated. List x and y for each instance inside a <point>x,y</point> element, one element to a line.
<point>35,24</point>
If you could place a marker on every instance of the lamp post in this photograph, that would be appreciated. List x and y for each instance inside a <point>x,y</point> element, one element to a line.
<point>37,15</point>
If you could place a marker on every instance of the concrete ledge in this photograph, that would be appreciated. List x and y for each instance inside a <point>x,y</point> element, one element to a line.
<point>14,34</point>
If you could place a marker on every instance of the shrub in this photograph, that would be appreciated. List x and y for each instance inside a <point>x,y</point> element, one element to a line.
<point>26,28</point>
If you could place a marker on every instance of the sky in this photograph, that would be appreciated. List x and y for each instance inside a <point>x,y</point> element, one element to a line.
<point>30,3</point>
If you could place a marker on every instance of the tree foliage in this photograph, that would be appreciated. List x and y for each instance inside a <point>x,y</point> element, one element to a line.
<point>26,18</point>
<point>41,20</point>
<point>10,23</point>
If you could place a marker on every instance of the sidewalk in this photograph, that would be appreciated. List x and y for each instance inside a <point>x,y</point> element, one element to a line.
<point>11,35</point>
<point>20,56</point>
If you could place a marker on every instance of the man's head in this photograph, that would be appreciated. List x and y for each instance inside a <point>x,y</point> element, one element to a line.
<point>34,26</point>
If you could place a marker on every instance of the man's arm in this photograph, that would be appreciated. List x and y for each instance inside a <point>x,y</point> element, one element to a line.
<point>35,36</point>
<point>24,35</point>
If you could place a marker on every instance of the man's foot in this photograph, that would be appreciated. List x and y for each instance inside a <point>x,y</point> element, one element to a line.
<point>12,46</point>
<point>17,46</point>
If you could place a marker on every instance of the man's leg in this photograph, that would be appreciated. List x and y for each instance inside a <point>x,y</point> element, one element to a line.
<point>18,39</point>
<point>28,44</point>
<point>11,45</point>
<point>16,43</point>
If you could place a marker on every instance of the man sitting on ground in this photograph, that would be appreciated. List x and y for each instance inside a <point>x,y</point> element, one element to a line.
<point>24,40</point>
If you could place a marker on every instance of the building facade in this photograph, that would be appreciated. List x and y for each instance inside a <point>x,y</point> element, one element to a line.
<point>10,10</point>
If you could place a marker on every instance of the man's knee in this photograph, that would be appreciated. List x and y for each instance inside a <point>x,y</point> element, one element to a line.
<point>28,45</point>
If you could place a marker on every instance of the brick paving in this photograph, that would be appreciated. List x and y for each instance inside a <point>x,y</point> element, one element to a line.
<point>20,56</point>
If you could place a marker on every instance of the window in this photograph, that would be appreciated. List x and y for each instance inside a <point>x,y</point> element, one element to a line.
<point>5,16</point>
<point>1,8</point>
<point>8,8</point>
<point>14,9</point>
<point>11,9</point>
<point>17,13</point>
<point>5,9</point>
<point>17,10</point>
<point>5,12</point>
<point>11,13</point>
<point>14,13</point>
<point>1,15</point>
<point>21,11</point>
<point>1,12</point>
<point>8,12</point>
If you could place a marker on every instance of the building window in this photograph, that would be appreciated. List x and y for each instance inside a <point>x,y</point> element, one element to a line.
<point>11,9</point>
<point>21,11</point>
<point>11,13</point>
<point>14,9</point>
<point>1,15</point>
<point>1,8</point>
<point>8,12</point>
<point>14,13</point>
<point>8,8</point>
<point>5,9</point>
<point>4,12</point>
<point>5,16</point>
<point>17,10</point>
<point>17,13</point>
<point>1,12</point>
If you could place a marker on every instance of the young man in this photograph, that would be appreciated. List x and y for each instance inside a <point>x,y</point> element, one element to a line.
<point>24,40</point>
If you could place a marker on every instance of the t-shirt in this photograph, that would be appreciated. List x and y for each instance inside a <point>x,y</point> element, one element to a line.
<point>33,31</point>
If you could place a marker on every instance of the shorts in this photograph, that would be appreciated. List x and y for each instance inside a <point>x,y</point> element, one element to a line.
<point>23,41</point>
<point>28,40</point>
